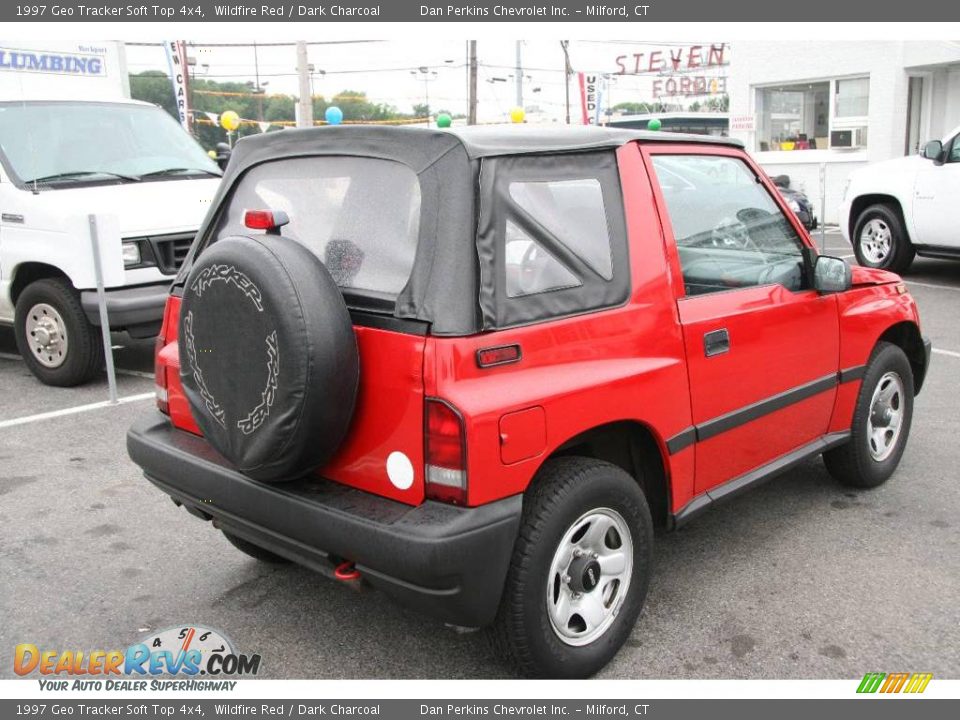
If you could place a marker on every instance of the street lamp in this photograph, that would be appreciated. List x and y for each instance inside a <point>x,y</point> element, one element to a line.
<point>427,75</point>
<point>314,70</point>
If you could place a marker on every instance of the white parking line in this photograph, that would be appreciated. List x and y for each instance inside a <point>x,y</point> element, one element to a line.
<point>74,410</point>
<point>932,285</point>
<point>948,353</point>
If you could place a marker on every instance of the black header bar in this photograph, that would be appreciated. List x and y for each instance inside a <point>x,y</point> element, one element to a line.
<point>506,11</point>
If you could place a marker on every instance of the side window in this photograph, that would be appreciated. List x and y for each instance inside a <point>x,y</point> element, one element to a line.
<point>729,231</point>
<point>954,155</point>
<point>573,212</point>
<point>531,269</point>
<point>551,238</point>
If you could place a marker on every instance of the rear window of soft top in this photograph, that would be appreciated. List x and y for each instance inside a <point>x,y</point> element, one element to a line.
<point>360,216</point>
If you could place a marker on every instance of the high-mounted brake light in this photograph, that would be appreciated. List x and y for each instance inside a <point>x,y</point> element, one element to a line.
<point>269,220</point>
<point>445,453</point>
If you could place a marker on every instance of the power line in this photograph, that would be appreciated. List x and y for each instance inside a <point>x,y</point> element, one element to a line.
<point>259,44</point>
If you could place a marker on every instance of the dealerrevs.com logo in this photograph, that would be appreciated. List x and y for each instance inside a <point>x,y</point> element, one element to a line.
<point>891,683</point>
<point>173,659</point>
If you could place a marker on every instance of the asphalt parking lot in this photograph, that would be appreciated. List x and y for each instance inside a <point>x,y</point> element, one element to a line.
<point>799,579</point>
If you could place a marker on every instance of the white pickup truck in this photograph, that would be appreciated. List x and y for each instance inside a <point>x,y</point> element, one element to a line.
<point>894,210</point>
<point>61,160</point>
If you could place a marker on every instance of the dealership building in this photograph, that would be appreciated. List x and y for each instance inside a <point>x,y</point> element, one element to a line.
<point>818,110</point>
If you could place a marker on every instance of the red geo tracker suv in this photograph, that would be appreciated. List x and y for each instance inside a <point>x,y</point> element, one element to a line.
<point>478,368</point>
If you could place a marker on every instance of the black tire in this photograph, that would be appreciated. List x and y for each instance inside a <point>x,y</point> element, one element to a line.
<point>854,464</point>
<point>269,359</point>
<point>83,359</point>
<point>564,490</point>
<point>254,551</point>
<point>902,252</point>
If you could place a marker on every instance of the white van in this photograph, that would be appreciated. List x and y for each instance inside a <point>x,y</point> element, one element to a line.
<point>64,159</point>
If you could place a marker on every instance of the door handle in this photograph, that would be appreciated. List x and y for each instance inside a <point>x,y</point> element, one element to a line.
<point>716,342</point>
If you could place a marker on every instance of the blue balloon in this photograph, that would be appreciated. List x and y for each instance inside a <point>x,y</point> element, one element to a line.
<point>334,115</point>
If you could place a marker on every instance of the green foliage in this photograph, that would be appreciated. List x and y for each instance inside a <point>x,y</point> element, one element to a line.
<point>639,108</point>
<point>154,87</point>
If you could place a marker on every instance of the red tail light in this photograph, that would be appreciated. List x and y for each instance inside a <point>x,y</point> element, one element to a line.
<point>160,374</point>
<point>159,366</point>
<point>445,454</point>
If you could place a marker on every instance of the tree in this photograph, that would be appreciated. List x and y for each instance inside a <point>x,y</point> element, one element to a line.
<point>639,108</point>
<point>217,97</point>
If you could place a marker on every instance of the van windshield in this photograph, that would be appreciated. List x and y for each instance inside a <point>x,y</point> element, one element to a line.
<point>80,142</point>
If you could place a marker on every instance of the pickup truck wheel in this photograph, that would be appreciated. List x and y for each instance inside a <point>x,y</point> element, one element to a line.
<point>579,572</point>
<point>881,422</point>
<point>880,241</point>
<point>254,551</point>
<point>57,342</point>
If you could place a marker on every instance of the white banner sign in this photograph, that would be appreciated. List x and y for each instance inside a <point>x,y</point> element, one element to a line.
<point>177,62</point>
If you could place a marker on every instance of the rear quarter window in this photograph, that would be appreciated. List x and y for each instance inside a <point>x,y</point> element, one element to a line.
<point>360,216</point>
<point>551,238</point>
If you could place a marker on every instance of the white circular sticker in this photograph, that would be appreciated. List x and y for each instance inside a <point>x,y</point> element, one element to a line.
<point>400,470</point>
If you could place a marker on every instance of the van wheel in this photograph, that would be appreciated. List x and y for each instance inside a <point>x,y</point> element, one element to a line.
<point>881,422</point>
<point>579,572</point>
<point>254,551</point>
<point>880,241</point>
<point>53,335</point>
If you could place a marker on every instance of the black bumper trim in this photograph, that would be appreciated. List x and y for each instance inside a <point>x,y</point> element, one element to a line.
<point>927,352</point>
<point>751,479</point>
<point>446,561</point>
<point>140,305</point>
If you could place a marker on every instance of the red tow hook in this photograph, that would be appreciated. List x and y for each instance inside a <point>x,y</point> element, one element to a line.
<point>346,571</point>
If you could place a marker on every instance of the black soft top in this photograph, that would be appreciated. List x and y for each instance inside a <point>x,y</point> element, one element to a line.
<point>444,285</point>
<point>491,140</point>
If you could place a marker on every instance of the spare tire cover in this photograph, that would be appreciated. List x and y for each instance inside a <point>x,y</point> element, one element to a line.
<point>268,356</point>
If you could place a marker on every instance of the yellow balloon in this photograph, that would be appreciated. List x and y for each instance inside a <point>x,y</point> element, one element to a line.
<point>229,120</point>
<point>518,115</point>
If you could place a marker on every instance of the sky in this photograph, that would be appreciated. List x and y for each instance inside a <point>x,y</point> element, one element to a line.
<point>382,69</point>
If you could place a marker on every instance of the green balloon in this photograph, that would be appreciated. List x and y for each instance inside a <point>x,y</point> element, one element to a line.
<point>654,124</point>
<point>444,120</point>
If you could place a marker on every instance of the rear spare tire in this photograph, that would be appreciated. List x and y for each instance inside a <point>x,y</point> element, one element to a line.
<point>269,359</point>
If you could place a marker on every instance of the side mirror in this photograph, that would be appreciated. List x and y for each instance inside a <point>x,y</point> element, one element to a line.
<point>933,150</point>
<point>831,275</point>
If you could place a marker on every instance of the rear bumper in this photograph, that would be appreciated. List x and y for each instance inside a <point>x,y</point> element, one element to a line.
<point>445,561</point>
<point>138,309</point>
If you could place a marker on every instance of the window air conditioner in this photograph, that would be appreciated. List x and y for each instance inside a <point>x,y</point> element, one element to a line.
<point>848,139</point>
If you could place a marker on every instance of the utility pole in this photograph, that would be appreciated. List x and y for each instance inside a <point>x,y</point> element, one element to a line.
<point>305,115</point>
<point>472,111</point>
<point>258,90</point>
<point>519,72</point>
<point>567,72</point>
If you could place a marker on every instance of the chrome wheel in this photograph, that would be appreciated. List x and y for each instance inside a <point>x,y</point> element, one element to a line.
<point>886,416</point>
<point>876,241</point>
<point>589,576</point>
<point>47,335</point>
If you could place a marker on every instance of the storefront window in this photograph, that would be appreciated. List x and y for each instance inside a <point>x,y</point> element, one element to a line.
<point>793,117</point>
<point>853,98</point>
<point>805,116</point>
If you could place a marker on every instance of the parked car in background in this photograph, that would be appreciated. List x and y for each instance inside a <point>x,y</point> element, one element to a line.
<point>61,160</point>
<point>796,201</point>
<point>478,368</point>
<point>897,209</point>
